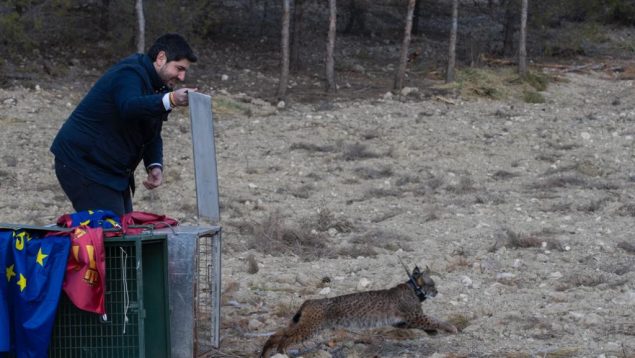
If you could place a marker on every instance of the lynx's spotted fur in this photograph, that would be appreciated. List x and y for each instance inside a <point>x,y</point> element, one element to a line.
<point>399,307</point>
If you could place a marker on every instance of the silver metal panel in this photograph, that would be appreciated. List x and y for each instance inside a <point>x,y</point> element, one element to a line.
<point>184,255</point>
<point>216,288</point>
<point>204,156</point>
<point>181,275</point>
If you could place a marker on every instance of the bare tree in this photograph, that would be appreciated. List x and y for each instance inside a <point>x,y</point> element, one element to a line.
<point>401,71</point>
<point>284,71</point>
<point>522,45</point>
<point>330,46</point>
<point>141,27</point>
<point>452,51</point>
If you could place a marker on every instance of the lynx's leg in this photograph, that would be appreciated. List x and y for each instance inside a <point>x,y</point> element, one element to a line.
<point>426,323</point>
<point>306,322</point>
<point>280,340</point>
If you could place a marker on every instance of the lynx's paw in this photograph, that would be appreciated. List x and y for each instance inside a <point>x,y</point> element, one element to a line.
<point>450,328</point>
<point>453,329</point>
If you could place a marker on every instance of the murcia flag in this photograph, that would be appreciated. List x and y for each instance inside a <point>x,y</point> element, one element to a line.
<point>85,282</point>
<point>33,268</point>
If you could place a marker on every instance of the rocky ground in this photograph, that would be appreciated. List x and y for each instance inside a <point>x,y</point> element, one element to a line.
<point>523,211</point>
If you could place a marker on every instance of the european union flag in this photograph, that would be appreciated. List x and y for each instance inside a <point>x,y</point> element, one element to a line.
<point>92,218</point>
<point>30,289</point>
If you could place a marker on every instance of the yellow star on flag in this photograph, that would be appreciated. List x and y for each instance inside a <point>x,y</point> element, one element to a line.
<point>9,272</point>
<point>22,282</point>
<point>40,257</point>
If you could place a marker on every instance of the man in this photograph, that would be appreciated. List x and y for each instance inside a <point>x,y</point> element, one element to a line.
<point>118,124</point>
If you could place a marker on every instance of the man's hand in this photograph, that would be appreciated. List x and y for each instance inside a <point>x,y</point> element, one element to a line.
<point>179,96</point>
<point>155,178</point>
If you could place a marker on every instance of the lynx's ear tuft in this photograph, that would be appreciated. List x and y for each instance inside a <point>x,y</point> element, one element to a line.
<point>416,272</point>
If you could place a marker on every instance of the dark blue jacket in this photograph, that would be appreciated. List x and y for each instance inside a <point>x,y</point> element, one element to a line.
<point>116,125</point>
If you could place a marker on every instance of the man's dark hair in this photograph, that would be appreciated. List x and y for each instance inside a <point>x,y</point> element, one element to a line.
<point>175,47</point>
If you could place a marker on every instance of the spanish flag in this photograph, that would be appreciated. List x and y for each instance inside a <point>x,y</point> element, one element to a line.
<point>33,267</point>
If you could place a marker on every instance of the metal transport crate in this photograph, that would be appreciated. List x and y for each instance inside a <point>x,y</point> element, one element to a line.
<point>137,308</point>
<point>166,282</point>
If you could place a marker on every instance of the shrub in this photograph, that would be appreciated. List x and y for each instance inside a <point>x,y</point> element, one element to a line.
<point>533,97</point>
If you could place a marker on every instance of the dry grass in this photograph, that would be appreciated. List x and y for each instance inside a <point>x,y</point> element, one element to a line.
<point>407,179</point>
<point>533,97</point>
<point>325,220</point>
<point>229,290</point>
<point>252,264</point>
<point>464,186</point>
<point>380,193</point>
<point>460,321</point>
<point>385,216</point>
<point>7,178</point>
<point>302,191</point>
<point>382,239</point>
<point>627,210</point>
<point>275,237</point>
<point>310,147</point>
<point>285,309</point>
<point>500,83</point>
<point>354,251</point>
<point>517,355</point>
<point>513,240</point>
<point>379,346</point>
<point>557,182</point>
<point>594,205</point>
<point>559,207</point>
<point>429,186</point>
<point>357,151</point>
<point>548,157</point>
<point>457,262</point>
<point>627,246</point>
<point>563,146</point>
<point>371,134</point>
<point>373,173</point>
<point>619,268</point>
<point>225,106</point>
<point>562,352</point>
<point>625,328</point>
<point>10,161</point>
<point>579,279</point>
<point>504,175</point>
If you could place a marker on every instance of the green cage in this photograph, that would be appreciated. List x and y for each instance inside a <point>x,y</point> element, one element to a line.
<point>137,320</point>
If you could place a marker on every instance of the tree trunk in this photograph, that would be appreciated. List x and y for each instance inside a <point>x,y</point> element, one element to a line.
<point>452,51</point>
<point>522,44</point>
<point>330,46</point>
<point>401,71</point>
<point>284,71</point>
<point>141,29</point>
<point>298,18</point>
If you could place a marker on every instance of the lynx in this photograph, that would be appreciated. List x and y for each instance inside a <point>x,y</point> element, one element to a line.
<point>399,306</point>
